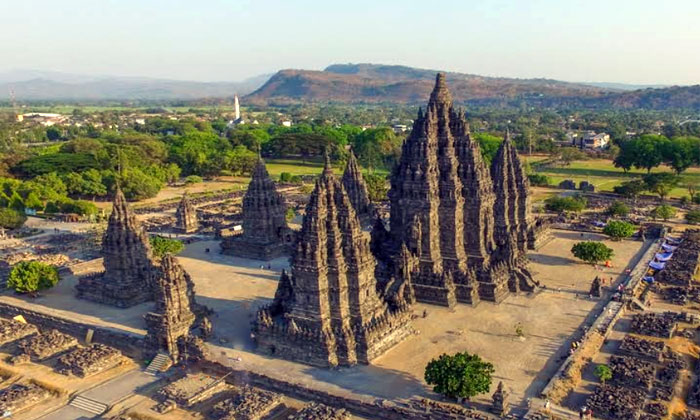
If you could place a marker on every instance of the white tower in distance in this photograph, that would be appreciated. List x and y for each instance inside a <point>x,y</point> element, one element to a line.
<point>236,108</point>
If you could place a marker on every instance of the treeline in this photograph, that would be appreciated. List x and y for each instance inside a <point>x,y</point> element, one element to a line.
<point>649,151</point>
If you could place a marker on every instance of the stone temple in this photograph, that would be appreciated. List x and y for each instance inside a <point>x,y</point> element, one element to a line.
<point>128,263</point>
<point>265,232</point>
<point>174,313</point>
<point>186,216</point>
<point>356,188</point>
<point>445,211</point>
<point>328,311</point>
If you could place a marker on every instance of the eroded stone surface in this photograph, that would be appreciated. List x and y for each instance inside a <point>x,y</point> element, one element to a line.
<point>47,344</point>
<point>247,404</point>
<point>11,330</point>
<point>17,397</point>
<point>316,411</point>
<point>87,361</point>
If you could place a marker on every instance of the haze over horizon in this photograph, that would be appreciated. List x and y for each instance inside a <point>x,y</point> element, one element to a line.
<point>636,42</point>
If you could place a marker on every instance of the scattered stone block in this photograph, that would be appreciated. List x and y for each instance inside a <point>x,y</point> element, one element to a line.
<point>11,330</point>
<point>316,411</point>
<point>87,361</point>
<point>18,397</point>
<point>45,345</point>
<point>655,325</point>
<point>642,348</point>
<point>191,389</point>
<point>615,402</point>
<point>248,404</point>
<point>632,372</point>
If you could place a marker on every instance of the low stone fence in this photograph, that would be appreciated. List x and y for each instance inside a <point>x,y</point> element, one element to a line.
<point>419,409</point>
<point>129,343</point>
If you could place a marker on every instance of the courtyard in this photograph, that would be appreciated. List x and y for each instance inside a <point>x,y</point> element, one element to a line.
<point>236,287</point>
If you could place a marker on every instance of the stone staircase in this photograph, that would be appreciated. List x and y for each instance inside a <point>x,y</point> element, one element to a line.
<point>86,404</point>
<point>157,364</point>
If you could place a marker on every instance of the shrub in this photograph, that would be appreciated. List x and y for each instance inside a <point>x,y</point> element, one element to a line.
<point>561,204</point>
<point>603,373</point>
<point>592,252</point>
<point>539,180</point>
<point>32,276</point>
<point>193,179</point>
<point>619,209</point>
<point>618,229</point>
<point>11,218</point>
<point>663,212</point>
<point>693,217</point>
<point>289,216</point>
<point>376,187</point>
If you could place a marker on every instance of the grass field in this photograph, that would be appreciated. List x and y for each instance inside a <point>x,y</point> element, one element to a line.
<point>309,167</point>
<point>605,176</point>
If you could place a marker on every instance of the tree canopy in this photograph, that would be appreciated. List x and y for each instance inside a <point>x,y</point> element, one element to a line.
<point>461,375</point>
<point>592,252</point>
<point>32,276</point>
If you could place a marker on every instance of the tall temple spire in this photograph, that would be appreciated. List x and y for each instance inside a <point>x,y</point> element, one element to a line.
<point>332,295</point>
<point>128,262</point>
<point>355,186</point>
<point>264,220</point>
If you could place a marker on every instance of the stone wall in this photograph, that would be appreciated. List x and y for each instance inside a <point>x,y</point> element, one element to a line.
<point>129,343</point>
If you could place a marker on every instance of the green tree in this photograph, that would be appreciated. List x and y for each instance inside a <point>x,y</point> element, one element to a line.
<point>618,209</point>
<point>289,215</point>
<point>663,212</point>
<point>137,185</point>
<point>162,246</point>
<point>603,373</point>
<point>462,375</point>
<point>488,144</point>
<point>617,229</point>
<point>693,217</point>
<point>661,183</point>
<point>570,154</point>
<point>538,180</point>
<point>32,276</point>
<point>376,187</point>
<point>592,252</point>
<point>11,218</point>
<point>631,189</point>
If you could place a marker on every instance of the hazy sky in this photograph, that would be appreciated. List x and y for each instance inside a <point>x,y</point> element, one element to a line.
<point>634,41</point>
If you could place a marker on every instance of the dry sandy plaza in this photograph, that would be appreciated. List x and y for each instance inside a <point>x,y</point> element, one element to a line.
<point>234,288</point>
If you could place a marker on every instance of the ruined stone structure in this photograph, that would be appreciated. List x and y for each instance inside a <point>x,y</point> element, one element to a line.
<point>265,232</point>
<point>442,209</point>
<point>356,188</point>
<point>512,214</point>
<point>499,400</point>
<point>328,312</point>
<point>128,263</point>
<point>186,216</point>
<point>173,316</point>
<point>87,361</point>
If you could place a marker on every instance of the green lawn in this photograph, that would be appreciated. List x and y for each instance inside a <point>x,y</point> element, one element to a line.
<point>299,167</point>
<point>605,176</point>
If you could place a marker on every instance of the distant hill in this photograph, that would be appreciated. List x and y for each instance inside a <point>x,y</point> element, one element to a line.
<point>31,85</point>
<point>374,83</point>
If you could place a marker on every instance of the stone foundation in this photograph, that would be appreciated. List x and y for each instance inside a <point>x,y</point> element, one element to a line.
<point>238,246</point>
<point>45,345</point>
<point>18,397</point>
<point>315,411</point>
<point>248,404</point>
<point>98,288</point>
<point>88,361</point>
<point>191,389</point>
<point>11,330</point>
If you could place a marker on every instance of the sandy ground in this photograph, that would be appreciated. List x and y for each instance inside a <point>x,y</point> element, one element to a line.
<point>236,287</point>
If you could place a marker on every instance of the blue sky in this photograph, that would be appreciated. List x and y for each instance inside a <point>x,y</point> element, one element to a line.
<point>614,41</point>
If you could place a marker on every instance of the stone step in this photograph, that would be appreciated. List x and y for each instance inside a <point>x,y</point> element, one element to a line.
<point>86,404</point>
<point>157,363</point>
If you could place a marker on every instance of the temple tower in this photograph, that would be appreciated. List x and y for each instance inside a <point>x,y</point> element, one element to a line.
<point>128,263</point>
<point>265,232</point>
<point>173,316</point>
<point>328,312</point>
<point>186,216</point>
<point>356,188</point>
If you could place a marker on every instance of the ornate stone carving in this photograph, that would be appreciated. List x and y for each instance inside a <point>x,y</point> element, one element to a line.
<point>128,263</point>
<point>186,216</point>
<point>328,312</point>
<point>265,233</point>
<point>173,316</point>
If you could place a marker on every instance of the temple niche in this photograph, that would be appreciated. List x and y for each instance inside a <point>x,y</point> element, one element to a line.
<point>128,264</point>
<point>186,216</point>
<point>265,232</point>
<point>328,311</point>
<point>175,310</point>
<point>356,188</point>
<point>445,211</point>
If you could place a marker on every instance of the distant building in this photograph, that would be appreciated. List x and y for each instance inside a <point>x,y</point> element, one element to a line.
<point>286,123</point>
<point>399,128</point>
<point>43,118</point>
<point>591,140</point>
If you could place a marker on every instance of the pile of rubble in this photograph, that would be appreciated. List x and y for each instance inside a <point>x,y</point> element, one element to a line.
<point>17,397</point>
<point>642,348</point>
<point>655,325</point>
<point>668,375</point>
<point>316,411</point>
<point>614,403</point>
<point>679,271</point>
<point>248,404</point>
<point>86,361</point>
<point>11,330</point>
<point>45,345</point>
<point>681,295</point>
<point>632,372</point>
